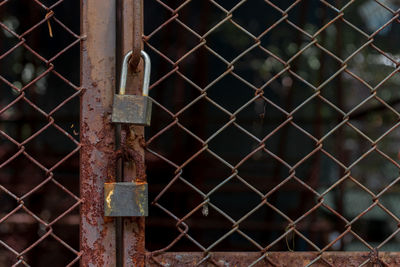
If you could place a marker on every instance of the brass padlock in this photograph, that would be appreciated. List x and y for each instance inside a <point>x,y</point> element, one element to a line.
<point>133,109</point>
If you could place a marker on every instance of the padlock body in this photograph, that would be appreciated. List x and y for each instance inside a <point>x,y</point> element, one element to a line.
<point>125,199</point>
<point>132,109</point>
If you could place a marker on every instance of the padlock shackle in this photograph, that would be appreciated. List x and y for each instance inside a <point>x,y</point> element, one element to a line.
<point>146,73</point>
<point>147,69</point>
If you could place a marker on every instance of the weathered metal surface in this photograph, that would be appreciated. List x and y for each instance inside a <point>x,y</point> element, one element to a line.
<point>97,136</point>
<point>281,259</point>
<point>137,32</point>
<point>125,199</point>
<point>132,109</point>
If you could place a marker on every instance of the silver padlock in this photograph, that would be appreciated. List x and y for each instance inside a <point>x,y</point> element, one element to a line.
<point>133,109</point>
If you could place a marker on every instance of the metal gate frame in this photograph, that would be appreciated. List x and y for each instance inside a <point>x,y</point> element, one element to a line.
<point>98,155</point>
<point>99,162</point>
<point>97,238</point>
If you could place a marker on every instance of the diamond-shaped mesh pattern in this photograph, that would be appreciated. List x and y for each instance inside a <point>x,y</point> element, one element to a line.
<point>39,109</point>
<point>274,126</point>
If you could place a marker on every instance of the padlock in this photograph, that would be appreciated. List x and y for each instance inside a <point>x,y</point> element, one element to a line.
<point>126,199</point>
<point>133,109</point>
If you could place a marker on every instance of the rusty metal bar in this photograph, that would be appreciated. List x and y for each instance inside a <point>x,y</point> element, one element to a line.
<point>137,32</point>
<point>118,172</point>
<point>97,134</point>
<point>133,136</point>
<point>273,259</point>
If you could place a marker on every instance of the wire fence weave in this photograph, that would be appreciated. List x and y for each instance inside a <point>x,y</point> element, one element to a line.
<point>313,41</point>
<point>49,20</point>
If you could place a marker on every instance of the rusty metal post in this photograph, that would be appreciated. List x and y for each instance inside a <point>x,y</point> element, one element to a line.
<point>134,169</point>
<point>97,134</point>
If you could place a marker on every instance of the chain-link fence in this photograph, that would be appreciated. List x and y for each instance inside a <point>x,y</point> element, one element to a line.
<point>275,127</point>
<point>39,128</point>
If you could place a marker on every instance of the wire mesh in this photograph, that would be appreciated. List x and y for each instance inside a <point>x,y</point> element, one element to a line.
<point>39,133</point>
<point>262,124</point>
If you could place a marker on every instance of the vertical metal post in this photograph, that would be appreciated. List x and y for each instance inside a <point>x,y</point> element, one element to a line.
<point>119,231</point>
<point>97,239</point>
<point>134,170</point>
